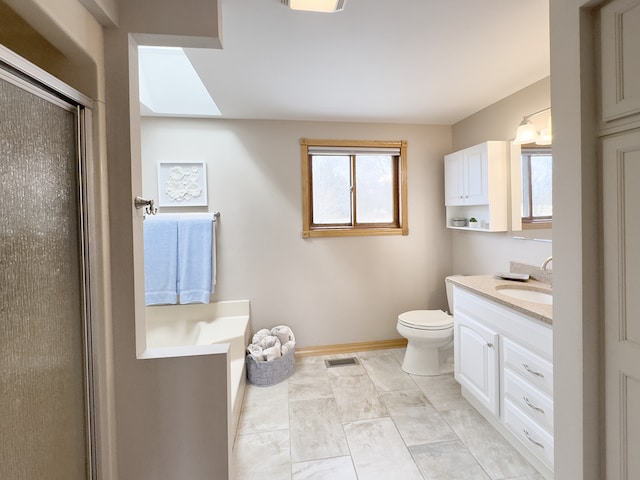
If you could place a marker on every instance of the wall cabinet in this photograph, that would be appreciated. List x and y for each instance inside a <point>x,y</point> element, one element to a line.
<point>503,361</point>
<point>476,185</point>
<point>620,39</point>
<point>466,176</point>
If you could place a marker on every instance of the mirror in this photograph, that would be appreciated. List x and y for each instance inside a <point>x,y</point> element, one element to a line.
<point>531,186</point>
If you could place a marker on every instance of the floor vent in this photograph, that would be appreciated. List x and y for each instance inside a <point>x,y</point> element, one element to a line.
<point>341,362</point>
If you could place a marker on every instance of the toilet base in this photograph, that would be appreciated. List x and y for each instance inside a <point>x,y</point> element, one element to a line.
<point>421,361</point>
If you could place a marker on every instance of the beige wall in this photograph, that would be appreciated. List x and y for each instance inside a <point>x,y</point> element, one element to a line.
<point>329,290</point>
<point>482,252</point>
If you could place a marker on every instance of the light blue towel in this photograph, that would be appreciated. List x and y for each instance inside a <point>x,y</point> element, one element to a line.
<point>195,237</point>
<point>160,260</point>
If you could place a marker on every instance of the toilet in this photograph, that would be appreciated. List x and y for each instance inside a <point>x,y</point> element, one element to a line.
<point>428,333</point>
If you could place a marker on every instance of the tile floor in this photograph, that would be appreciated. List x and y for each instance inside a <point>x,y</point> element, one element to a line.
<point>368,422</point>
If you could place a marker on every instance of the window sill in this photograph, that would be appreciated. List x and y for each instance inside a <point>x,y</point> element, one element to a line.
<point>536,225</point>
<point>353,232</point>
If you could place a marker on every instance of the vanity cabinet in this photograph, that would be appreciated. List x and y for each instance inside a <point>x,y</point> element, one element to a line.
<point>476,185</point>
<point>503,362</point>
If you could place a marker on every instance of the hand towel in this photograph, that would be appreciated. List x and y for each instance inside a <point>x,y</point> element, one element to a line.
<point>195,259</point>
<point>160,260</point>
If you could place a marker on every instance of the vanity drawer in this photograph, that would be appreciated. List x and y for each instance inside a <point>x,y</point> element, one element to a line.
<point>536,404</point>
<point>530,366</point>
<point>539,442</point>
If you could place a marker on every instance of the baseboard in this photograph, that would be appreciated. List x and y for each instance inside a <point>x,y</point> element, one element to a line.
<point>350,347</point>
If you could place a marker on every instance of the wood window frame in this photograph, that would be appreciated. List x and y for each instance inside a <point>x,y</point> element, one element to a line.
<point>400,226</point>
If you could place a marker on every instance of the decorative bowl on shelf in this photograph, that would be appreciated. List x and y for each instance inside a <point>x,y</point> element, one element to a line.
<point>459,222</point>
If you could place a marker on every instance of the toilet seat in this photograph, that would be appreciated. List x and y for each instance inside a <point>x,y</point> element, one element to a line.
<point>426,320</point>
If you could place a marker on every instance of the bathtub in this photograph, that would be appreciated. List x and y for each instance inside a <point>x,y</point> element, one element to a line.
<point>206,324</point>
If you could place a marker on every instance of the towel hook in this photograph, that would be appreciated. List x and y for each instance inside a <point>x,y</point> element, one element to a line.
<point>149,209</point>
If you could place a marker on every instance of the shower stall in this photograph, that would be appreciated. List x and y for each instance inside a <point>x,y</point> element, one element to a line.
<point>46,394</point>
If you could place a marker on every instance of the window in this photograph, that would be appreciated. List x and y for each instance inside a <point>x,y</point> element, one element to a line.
<point>537,174</point>
<point>354,188</point>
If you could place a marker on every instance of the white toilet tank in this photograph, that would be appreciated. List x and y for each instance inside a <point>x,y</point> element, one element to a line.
<point>449,288</point>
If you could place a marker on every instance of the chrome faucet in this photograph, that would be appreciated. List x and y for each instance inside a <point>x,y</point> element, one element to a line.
<point>545,263</point>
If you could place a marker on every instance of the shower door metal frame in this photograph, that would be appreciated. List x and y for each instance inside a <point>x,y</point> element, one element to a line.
<point>29,77</point>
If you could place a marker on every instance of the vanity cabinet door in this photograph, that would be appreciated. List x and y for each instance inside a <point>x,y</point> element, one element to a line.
<point>476,361</point>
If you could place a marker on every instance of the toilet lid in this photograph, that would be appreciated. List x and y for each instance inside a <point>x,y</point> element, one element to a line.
<point>426,319</point>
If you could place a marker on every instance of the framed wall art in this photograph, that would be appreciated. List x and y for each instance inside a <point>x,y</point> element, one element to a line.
<point>182,184</point>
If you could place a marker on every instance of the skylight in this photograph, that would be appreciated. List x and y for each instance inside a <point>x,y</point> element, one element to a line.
<point>170,86</point>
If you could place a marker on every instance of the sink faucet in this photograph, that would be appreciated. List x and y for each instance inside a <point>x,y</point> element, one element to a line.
<point>545,263</point>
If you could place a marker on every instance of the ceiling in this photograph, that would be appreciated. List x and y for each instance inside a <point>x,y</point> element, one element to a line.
<point>396,61</point>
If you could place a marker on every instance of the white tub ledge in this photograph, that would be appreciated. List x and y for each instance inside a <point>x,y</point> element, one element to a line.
<point>204,329</point>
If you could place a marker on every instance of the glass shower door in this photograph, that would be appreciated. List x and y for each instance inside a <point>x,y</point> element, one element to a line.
<point>43,367</point>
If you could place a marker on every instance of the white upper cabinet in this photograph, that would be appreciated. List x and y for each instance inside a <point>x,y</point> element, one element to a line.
<point>466,176</point>
<point>454,178</point>
<point>475,185</point>
<point>620,44</point>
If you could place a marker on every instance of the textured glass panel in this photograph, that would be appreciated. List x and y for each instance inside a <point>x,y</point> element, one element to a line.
<point>42,414</point>
<point>331,184</point>
<point>374,189</point>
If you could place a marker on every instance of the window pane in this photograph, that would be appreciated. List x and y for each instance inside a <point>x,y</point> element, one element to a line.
<point>331,184</point>
<point>374,189</point>
<point>541,188</point>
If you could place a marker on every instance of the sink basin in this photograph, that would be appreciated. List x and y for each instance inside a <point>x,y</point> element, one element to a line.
<point>526,293</point>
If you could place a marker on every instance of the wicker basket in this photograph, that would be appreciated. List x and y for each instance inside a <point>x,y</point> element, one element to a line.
<point>264,373</point>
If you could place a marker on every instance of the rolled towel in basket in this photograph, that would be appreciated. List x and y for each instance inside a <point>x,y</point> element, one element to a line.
<point>256,351</point>
<point>260,334</point>
<point>289,346</point>
<point>283,333</point>
<point>269,342</point>
<point>272,353</point>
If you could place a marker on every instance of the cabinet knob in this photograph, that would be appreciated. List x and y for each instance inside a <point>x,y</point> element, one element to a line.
<point>489,344</point>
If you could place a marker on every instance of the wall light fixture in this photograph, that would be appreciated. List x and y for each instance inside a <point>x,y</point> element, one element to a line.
<point>527,132</point>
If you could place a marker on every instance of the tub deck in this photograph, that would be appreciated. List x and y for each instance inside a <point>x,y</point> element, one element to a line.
<point>218,323</point>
